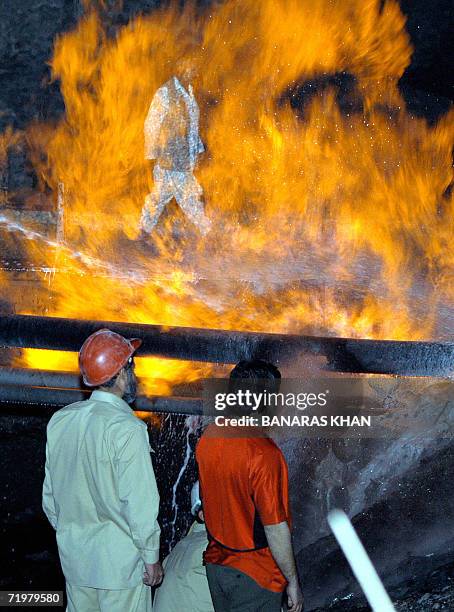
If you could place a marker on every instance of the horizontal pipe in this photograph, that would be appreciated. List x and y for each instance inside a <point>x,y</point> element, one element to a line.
<point>405,358</point>
<point>40,378</point>
<point>56,379</point>
<point>24,395</point>
<point>169,405</point>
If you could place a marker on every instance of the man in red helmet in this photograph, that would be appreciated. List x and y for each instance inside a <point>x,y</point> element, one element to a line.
<point>100,491</point>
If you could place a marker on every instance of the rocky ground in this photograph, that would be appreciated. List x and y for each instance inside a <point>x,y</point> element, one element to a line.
<point>443,600</point>
<point>433,592</point>
<point>438,595</point>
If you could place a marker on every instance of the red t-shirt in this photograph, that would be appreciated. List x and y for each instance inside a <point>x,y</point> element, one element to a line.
<point>240,476</point>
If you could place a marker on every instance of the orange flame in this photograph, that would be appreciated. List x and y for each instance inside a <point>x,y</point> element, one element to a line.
<point>323,221</point>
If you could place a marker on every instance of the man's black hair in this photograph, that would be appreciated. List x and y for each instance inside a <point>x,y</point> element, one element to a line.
<point>256,376</point>
<point>255,369</point>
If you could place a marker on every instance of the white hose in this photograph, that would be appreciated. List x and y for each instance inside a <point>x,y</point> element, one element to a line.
<point>359,561</point>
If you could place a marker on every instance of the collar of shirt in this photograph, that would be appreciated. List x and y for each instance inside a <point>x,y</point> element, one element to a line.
<point>111,398</point>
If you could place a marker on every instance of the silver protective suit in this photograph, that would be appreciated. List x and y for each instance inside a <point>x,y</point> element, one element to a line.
<point>172,139</point>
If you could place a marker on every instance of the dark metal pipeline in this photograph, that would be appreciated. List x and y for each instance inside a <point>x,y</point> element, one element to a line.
<point>42,396</point>
<point>57,379</point>
<point>220,346</point>
<point>40,378</point>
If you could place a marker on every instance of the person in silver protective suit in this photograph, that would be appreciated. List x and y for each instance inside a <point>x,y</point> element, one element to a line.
<point>172,139</point>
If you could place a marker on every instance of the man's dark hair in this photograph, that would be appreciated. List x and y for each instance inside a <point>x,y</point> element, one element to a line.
<point>255,369</point>
<point>256,376</point>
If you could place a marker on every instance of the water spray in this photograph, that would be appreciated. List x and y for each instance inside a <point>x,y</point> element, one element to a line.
<point>360,562</point>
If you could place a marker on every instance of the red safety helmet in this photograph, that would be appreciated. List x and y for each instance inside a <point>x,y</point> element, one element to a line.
<point>103,354</point>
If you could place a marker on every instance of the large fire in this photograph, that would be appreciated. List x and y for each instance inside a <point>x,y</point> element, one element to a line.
<point>327,218</point>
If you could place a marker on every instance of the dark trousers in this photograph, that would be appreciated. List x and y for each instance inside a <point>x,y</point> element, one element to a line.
<point>234,591</point>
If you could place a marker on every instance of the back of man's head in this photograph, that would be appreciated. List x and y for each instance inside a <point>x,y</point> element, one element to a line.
<point>256,376</point>
<point>255,369</point>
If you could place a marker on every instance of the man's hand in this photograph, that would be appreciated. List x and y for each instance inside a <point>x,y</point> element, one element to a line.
<point>153,574</point>
<point>294,596</point>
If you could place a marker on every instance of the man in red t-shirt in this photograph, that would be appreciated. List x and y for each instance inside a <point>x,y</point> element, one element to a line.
<point>244,487</point>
